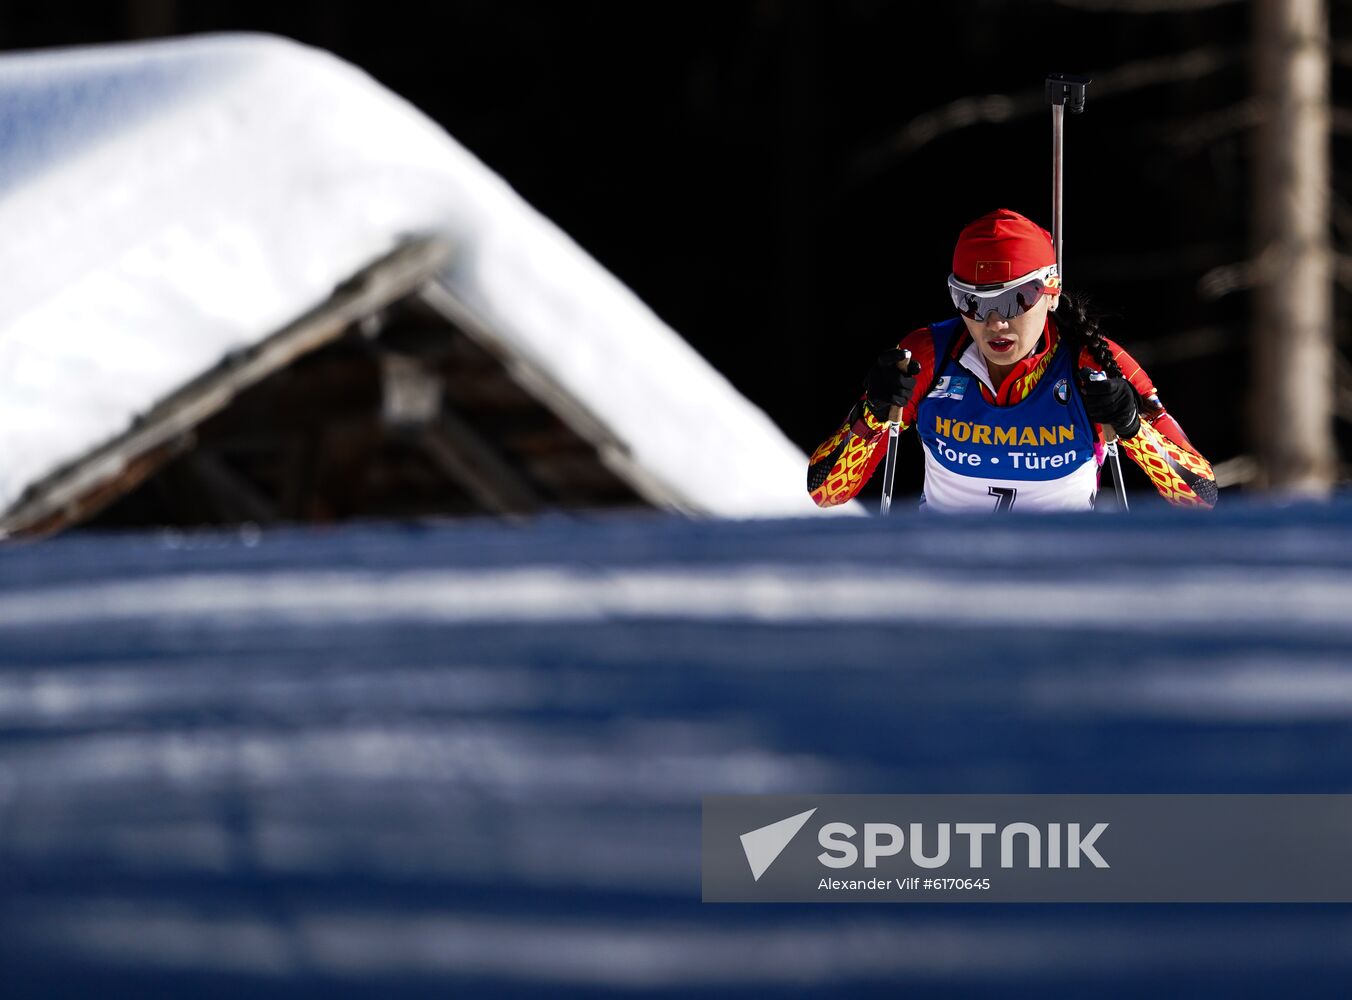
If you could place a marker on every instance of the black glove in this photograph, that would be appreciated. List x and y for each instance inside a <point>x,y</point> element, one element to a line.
<point>1110,401</point>
<point>887,385</point>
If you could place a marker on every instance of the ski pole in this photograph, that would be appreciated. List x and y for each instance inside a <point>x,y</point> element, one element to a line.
<point>1110,444</point>
<point>893,432</point>
<point>890,465</point>
<point>1064,90</point>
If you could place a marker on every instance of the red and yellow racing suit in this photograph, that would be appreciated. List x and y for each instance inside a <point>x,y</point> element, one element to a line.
<point>843,463</point>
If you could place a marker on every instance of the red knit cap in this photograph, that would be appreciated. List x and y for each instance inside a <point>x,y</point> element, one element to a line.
<point>1000,247</point>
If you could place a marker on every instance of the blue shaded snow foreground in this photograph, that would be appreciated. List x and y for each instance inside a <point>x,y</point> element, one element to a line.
<point>415,760</point>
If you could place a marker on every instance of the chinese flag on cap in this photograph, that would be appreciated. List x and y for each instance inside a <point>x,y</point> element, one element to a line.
<point>999,247</point>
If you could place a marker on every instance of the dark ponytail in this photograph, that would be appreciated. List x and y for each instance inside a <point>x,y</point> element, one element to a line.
<point>1081,328</point>
<point>1076,321</point>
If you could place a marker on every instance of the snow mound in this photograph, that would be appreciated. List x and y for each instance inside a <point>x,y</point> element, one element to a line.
<point>171,202</point>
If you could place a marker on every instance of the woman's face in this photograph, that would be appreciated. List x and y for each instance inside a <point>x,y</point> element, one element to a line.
<point>1004,341</point>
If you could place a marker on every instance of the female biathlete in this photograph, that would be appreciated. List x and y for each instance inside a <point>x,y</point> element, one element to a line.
<point>1012,403</point>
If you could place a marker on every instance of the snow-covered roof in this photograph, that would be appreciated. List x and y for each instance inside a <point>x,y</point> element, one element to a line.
<point>166,205</point>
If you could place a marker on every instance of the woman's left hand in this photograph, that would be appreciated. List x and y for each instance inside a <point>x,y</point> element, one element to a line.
<point>1111,401</point>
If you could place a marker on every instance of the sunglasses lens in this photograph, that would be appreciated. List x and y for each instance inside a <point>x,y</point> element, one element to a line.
<point>964,302</point>
<point>1007,303</point>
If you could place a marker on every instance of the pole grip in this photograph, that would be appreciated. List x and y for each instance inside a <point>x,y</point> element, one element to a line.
<point>903,366</point>
<point>1067,89</point>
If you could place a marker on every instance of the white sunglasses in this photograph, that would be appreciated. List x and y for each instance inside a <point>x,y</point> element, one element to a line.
<point>1008,299</point>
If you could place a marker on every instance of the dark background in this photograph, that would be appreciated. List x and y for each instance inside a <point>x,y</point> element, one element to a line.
<point>736,162</point>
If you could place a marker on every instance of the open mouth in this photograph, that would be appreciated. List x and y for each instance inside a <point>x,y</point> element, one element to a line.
<point>1000,345</point>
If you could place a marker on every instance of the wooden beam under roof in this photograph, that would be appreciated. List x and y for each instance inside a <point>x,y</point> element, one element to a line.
<point>613,451</point>
<point>82,487</point>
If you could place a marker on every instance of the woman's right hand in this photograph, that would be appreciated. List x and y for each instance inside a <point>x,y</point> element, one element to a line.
<point>890,382</point>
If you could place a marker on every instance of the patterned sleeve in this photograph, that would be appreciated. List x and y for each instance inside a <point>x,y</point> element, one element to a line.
<point>843,463</point>
<point>1178,470</point>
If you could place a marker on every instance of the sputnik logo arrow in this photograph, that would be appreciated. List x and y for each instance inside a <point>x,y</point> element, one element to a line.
<point>762,846</point>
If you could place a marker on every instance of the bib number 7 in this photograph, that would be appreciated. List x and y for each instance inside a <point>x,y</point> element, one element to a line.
<point>1004,497</point>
